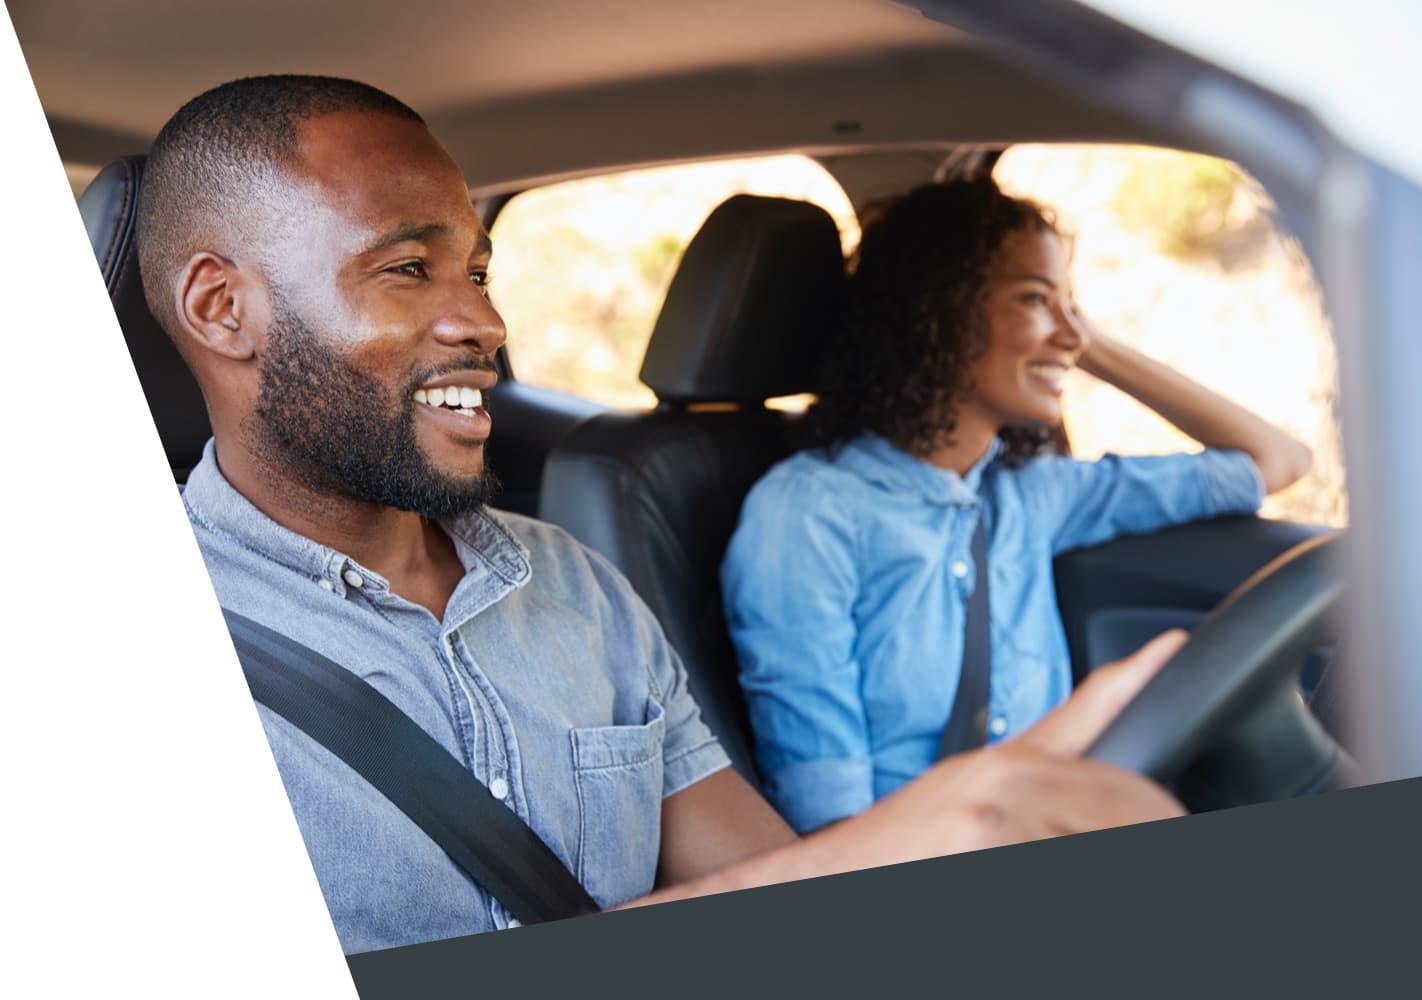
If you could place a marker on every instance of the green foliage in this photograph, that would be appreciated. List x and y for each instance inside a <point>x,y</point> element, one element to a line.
<point>1186,202</point>
<point>657,258</point>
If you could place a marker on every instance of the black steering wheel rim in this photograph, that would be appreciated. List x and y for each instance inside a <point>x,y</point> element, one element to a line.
<point>1241,660</point>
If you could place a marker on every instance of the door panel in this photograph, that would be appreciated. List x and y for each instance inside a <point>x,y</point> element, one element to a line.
<point>1115,596</point>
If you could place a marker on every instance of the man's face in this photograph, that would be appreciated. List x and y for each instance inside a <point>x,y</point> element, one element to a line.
<point>381,336</point>
<point>343,432</point>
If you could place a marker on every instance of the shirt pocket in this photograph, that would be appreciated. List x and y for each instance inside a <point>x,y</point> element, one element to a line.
<point>618,774</point>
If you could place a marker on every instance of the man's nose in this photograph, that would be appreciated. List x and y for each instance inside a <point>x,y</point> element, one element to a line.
<point>470,319</point>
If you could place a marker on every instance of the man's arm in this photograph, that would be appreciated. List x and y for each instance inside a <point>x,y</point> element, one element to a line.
<point>717,837</point>
<point>716,823</point>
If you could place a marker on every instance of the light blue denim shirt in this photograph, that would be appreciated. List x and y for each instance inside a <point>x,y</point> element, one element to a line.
<point>846,585</point>
<point>548,678</point>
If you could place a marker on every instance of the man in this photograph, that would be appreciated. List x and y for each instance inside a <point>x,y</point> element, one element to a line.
<point>313,252</point>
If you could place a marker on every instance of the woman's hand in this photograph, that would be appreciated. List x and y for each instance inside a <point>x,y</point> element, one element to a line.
<point>1087,332</point>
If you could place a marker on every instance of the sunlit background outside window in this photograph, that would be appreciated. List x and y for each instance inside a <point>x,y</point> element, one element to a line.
<point>1174,253</point>
<point>1180,255</point>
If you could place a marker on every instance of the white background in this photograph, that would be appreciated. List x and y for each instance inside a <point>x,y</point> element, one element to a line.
<point>148,849</point>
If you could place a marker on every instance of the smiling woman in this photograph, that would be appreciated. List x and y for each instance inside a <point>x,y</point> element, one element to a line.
<point>1019,376</point>
<point>1183,257</point>
<point>848,581</point>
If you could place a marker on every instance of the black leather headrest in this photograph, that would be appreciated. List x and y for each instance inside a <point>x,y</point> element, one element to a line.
<point>751,307</point>
<point>109,207</point>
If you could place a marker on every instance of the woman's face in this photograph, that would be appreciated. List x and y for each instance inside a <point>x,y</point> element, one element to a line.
<point>1031,342</point>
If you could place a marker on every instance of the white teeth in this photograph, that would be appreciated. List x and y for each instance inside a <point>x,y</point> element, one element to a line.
<point>459,398</point>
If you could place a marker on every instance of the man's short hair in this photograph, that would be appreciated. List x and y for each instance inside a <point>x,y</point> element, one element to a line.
<point>214,165</point>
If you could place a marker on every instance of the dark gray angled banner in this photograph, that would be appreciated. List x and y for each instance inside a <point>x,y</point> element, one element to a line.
<point>1315,897</point>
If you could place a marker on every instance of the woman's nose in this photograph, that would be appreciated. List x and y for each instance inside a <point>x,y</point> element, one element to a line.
<point>1068,333</point>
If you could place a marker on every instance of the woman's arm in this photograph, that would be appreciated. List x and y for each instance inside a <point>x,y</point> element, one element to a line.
<point>1206,416</point>
<point>789,581</point>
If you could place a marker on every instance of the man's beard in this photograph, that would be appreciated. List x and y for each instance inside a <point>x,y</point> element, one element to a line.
<point>340,432</point>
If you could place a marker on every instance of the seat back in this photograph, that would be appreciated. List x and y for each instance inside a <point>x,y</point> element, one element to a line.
<point>109,208</point>
<point>755,297</point>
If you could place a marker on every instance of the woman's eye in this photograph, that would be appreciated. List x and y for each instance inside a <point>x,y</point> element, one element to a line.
<point>1033,299</point>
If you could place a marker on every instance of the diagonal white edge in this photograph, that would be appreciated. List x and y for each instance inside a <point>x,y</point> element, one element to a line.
<point>148,848</point>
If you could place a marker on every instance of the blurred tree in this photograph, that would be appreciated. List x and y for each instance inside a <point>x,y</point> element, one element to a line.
<point>1190,204</point>
<point>657,258</point>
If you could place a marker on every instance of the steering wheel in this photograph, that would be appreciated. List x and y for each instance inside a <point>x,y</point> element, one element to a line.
<point>1222,722</point>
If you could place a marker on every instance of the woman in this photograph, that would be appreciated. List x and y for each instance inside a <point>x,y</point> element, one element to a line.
<point>847,578</point>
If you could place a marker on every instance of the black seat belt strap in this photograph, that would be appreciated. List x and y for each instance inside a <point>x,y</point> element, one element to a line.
<point>967,723</point>
<point>382,744</point>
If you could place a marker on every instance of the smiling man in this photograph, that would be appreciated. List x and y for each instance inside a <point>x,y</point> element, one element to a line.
<point>313,252</point>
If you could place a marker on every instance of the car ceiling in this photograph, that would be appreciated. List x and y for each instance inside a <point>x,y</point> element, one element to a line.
<point>565,86</point>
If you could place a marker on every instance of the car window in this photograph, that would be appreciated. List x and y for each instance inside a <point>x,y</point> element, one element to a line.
<point>581,267</point>
<point>1181,255</point>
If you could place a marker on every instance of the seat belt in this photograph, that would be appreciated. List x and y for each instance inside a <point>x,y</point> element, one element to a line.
<point>382,744</point>
<point>967,723</point>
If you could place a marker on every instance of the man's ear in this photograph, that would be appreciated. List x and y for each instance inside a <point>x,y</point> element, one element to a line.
<point>213,305</point>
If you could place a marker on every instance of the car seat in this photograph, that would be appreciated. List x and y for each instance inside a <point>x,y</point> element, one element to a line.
<point>109,208</point>
<point>754,300</point>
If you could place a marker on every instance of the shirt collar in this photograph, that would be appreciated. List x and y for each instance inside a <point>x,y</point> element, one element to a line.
<point>879,461</point>
<point>480,538</point>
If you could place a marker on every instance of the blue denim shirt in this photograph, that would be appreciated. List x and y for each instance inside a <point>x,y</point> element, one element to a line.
<point>548,678</point>
<point>846,585</point>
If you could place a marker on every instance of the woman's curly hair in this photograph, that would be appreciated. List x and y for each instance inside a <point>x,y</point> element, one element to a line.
<point>903,360</point>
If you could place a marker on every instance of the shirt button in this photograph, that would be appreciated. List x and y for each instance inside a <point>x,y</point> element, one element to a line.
<point>959,568</point>
<point>499,788</point>
<point>353,578</point>
<point>326,584</point>
<point>997,726</point>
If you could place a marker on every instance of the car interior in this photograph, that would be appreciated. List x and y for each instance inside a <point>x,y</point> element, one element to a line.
<point>659,492</point>
<point>883,97</point>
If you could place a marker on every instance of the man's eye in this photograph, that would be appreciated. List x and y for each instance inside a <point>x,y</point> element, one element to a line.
<point>411,269</point>
<point>481,279</point>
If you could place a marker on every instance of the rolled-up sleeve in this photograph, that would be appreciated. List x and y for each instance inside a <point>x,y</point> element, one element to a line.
<point>689,750</point>
<point>1086,503</point>
<point>790,579</point>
